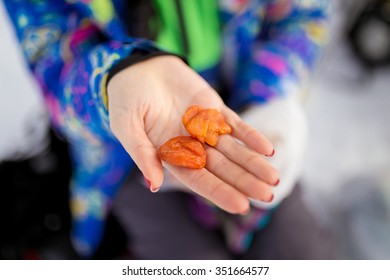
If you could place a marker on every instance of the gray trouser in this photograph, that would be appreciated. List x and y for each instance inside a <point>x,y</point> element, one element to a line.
<point>160,226</point>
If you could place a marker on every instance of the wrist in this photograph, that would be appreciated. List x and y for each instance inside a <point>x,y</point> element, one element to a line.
<point>131,65</point>
<point>140,70</point>
<point>138,56</point>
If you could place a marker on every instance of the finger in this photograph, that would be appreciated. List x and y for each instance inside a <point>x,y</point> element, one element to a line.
<point>214,189</point>
<point>247,159</point>
<point>247,134</point>
<point>135,141</point>
<point>237,177</point>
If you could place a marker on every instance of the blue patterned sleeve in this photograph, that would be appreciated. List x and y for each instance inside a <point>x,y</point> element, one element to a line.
<point>67,48</point>
<point>70,48</point>
<point>280,60</point>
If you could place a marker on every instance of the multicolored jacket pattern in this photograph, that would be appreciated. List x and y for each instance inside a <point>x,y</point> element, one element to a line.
<point>269,48</point>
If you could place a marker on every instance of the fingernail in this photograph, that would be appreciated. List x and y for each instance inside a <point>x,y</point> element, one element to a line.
<point>271,198</point>
<point>277,183</point>
<point>148,183</point>
<point>273,152</point>
<point>154,190</point>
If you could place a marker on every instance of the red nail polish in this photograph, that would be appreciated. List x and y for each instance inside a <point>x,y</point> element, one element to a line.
<point>273,152</point>
<point>277,183</point>
<point>272,198</point>
<point>148,183</point>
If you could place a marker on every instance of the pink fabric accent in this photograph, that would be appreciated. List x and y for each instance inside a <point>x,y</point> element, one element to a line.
<point>271,61</point>
<point>82,34</point>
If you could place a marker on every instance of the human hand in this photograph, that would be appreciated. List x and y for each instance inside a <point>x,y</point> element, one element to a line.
<point>146,103</point>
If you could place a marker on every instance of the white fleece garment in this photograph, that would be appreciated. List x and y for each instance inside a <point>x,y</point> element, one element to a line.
<point>284,123</point>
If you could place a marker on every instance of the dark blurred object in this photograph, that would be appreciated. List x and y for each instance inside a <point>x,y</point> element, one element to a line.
<point>369,35</point>
<point>34,201</point>
<point>34,209</point>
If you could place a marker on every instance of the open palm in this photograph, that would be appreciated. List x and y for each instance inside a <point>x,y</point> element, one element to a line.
<point>146,103</point>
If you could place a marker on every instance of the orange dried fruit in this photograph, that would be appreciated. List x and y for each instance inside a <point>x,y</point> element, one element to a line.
<point>205,124</point>
<point>183,151</point>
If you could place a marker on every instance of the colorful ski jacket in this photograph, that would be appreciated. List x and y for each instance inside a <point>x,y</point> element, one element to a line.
<point>265,48</point>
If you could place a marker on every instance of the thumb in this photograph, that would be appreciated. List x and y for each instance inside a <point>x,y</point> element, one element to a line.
<point>137,144</point>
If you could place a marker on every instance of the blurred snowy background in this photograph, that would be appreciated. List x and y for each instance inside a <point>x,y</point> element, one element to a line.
<point>347,169</point>
<point>23,123</point>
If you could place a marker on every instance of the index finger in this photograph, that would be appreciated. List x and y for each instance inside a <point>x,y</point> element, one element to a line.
<point>247,134</point>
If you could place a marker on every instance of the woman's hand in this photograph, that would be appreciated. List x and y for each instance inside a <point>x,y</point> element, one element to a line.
<point>146,103</point>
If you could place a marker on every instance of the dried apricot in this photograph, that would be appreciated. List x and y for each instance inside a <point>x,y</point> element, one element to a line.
<point>183,151</point>
<point>205,124</point>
